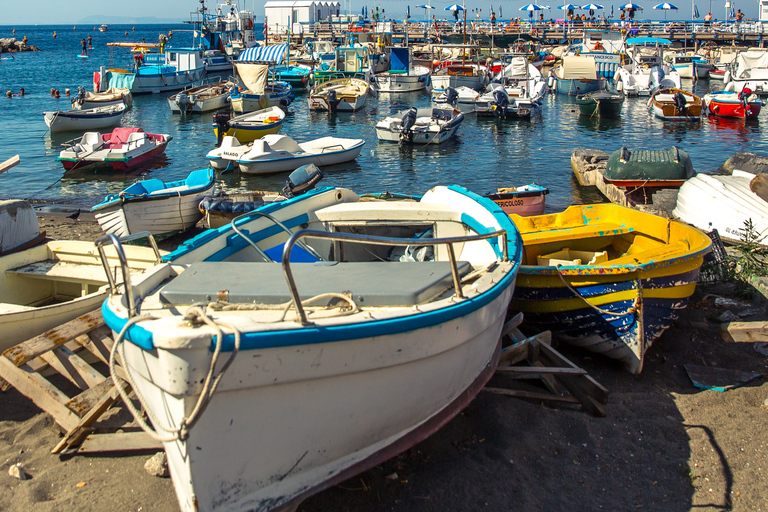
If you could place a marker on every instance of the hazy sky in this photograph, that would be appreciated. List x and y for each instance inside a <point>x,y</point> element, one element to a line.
<point>53,12</point>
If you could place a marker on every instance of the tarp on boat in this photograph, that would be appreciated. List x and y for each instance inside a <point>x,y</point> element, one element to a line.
<point>576,66</point>
<point>110,94</point>
<point>273,54</point>
<point>399,59</point>
<point>754,62</point>
<point>120,80</point>
<point>254,76</point>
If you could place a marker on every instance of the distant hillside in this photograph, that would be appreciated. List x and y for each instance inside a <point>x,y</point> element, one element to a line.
<point>127,20</point>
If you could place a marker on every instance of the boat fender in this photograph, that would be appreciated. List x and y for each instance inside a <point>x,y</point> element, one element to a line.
<point>620,86</point>
<point>551,81</point>
<point>727,77</point>
<point>730,87</point>
<point>96,81</point>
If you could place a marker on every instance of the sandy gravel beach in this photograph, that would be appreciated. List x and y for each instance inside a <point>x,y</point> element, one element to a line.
<point>664,446</point>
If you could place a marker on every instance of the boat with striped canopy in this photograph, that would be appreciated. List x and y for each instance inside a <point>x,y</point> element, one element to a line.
<point>607,278</point>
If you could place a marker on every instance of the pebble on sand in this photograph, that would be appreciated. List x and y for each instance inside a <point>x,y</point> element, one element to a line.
<point>17,471</point>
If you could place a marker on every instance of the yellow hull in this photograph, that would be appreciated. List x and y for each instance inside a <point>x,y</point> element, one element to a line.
<point>248,134</point>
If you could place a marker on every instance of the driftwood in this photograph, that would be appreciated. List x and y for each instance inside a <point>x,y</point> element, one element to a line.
<point>745,332</point>
<point>759,185</point>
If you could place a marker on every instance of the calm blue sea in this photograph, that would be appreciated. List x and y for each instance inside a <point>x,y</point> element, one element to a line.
<point>486,154</point>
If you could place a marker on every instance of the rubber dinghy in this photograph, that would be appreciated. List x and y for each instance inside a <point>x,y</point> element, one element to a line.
<point>389,335</point>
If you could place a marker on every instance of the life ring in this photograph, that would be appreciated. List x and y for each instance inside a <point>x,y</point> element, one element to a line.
<point>598,46</point>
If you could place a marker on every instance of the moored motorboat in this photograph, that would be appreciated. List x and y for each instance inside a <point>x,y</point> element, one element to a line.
<point>688,65</point>
<point>203,98</point>
<point>402,75</point>
<point>749,69</point>
<point>277,153</point>
<point>49,284</point>
<point>83,120</point>
<point>251,126</point>
<point>365,375</point>
<point>339,95</point>
<point>161,208</point>
<point>724,203</point>
<point>420,126</point>
<point>172,70</point>
<point>576,75</point>
<point>225,155</point>
<point>253,67</point>
<point>85,100</point>
<point>664,168</point>
<point>675,105</point>
<point>120,149</point>
<point>607,278</point>
<point>741,105</point>
<point>600,104</point>
<point>525,201</point>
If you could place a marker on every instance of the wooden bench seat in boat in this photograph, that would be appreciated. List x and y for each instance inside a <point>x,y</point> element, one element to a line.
<point>53,270</point>
<point>393,212</point>
<point>575,233</point>
<point>371,283</point>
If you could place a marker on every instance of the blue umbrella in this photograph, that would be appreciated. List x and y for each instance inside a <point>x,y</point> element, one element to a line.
<point>592,7</point>
<point>568,7</point>
<point>499,10</point>
<point>531,7</point>
<point>454,7</point>
<point>632,6</point>
<point>696,11</point>
<point>407,12</point>
<point>666,7</point>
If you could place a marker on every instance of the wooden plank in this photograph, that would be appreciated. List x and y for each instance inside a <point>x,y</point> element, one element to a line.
<point>86,400</point>
<point>514,322</point>
<point>71,366</point>
<point>513,354</point>
<point>40,391</point>
<point>4,385</point>
<point>745,332</point>
<point>533,395</point>
<point>49,340</point>
<point>540,370</point>
<point>550,382</point>
<point>571,383</point>
<point>591,385</point>
<point>11,162</point>
<point>76,435</point>
<point>118,442</point>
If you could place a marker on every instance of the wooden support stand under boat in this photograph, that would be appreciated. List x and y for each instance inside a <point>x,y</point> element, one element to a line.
<point>73,351</point>
<point>559,375</point>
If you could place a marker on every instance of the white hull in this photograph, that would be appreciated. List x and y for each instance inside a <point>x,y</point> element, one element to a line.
<point>692,70</point>
<point>397,82</point>
<point>83,120</point>
<point>146,84</point>
<point>324,151</point>
<point>441,82</point>
<point>425,137</point>
<point>428,129</point>
<point>200,106</point>
<point>161,217</point>
<point>759,87</point>
<point>722,202</point>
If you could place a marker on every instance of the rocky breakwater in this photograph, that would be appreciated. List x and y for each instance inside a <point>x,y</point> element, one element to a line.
<point>13,45</point>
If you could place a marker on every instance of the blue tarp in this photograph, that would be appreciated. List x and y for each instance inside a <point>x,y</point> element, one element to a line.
<point>398,59</point>
<point>648,40</point>
<point>273,53</point>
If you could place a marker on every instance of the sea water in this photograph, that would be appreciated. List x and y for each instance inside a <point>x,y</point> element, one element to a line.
<point>486,154</point>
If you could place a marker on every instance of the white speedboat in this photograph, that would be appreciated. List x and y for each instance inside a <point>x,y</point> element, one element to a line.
<point>161,208</point>
<point>420,126</point>
<point>84,120</point>
<point>688,65</point>
<point>278,153</point>
<point>522,81</point>
<point>204,98</point>
<point>750,69</point>
<point>500,103</point>
<point>646,71</point>
<point>462,98</point>
<point>85,100</point>
<point>457,73</point>
<point>120,149</point>
<point>724,203</point>
<point>383,340</point>
<point>402,75</point>
<point>340,95</point>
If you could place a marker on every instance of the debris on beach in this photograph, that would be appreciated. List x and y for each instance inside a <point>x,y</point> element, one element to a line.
<point>17,471</point>
<point>157,465</point>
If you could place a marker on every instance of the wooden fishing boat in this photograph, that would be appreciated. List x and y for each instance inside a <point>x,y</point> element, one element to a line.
<point>120,149</point>
<point>724,203</point>
<point>85,100</point>
<point>249,127</point>
<point>332,390</point>
<point>47,285</point>
<point>675,105</point>
<point>277,153</point>
<point>525,201</point>
<point>607,278</point>
<point>340,95</point>
<point>741,105</point>
<point>600,104</point>
<point>84,120</point>
<point>668,168</point>
<point>161,208</point>
<point>203,98</point>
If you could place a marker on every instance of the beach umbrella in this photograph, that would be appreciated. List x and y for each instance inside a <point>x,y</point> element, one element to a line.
<point>592,7</point>
<point>632,6</point>
<point>531,7</point>
<point>665,6</point>
<point>407,12</point>
<point>454,7</point>
<point>695,12</point>
<point>499,10</point>
<point>568,7</point>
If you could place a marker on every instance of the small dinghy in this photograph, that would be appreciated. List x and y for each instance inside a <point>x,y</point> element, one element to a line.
<point>339,349</point>
<point>85,100</point>
<point>524,201</point>
<point>340,95</point>
<point>420,126</point>
<point>664,168</point>
<point>276,153</point>
<point>676,105</point>
<point>225,156</point>
<point>203,98</point>
<point>248,127</point>
<point>120,149</point>
<point>83,120</point>
<point>161,208</point>
<point>600,104</point>
<point>740,105</point>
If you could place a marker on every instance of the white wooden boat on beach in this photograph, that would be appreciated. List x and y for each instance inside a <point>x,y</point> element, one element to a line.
<point>161,208</point>
<point>330,390</point>
<point>278,153</point>
<point>84,120</point>
<point>420,126</point>
<point>203,98</point>
<point>53,283</point>
<point>724,203</point>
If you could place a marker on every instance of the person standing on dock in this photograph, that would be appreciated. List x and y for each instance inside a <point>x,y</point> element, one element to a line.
<point>493,21</point>
<point>85,47</point>
<point>739,15</point>
<point>708,19</point>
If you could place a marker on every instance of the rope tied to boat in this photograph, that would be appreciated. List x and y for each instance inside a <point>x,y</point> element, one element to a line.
<point>194,316</point>
<point>630,311</point>
<point>353,308</point>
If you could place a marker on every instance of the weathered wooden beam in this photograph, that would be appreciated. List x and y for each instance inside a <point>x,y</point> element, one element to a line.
<point>79,432</point>
<point>745,332</point>
<point>118,442</point>
<point>540,370</point>
<point>593,387</point>
<point>11,162</point>
<point>72,366</point>
<point>532,395</point>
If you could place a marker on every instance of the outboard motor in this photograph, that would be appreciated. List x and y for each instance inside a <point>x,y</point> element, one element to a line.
<point>302,180</point>
<point>451,96</point>
<point>221,122</point>
<point>332,99</point>
<point>183,102</point>
<point>501,99</point>
<point>679,102</point>
<point>409,119</point>
<point>80,96</point>
<point>656,76</point>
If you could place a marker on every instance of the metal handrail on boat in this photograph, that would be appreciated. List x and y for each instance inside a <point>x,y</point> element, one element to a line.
<point>277,223</point>
<point>381,240</point>
<point>117,242</point>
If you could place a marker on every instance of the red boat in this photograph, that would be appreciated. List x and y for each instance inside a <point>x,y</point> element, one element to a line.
<point>741,105</point>
<point>121,149</point>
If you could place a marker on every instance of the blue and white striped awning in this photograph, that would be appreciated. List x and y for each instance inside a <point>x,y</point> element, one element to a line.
<point>273,53</point>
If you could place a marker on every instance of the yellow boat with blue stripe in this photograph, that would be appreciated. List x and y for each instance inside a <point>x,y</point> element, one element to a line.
<point>251,126</point>
<point>607,278</point>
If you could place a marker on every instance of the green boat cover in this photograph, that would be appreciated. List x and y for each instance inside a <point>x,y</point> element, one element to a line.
<point>664,164</point>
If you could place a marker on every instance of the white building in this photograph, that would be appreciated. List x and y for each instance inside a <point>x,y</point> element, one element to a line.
<point>763,15</point>
<point>279,13</point>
